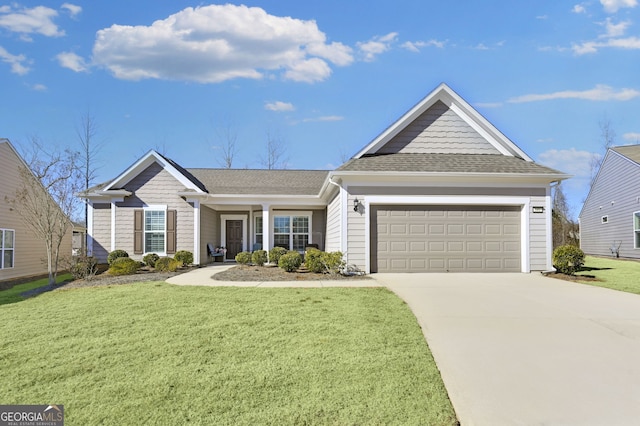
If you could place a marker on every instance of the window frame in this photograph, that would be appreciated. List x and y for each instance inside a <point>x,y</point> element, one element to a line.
<point>151,209</point>
<point>636,230</point>
<point>4,249</point>
<point>257,234</point>
<point>308,215</point>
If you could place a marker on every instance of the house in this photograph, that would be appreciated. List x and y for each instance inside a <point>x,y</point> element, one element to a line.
<point>610,216</point>
<point>439,190</point>
<point>21,253</point>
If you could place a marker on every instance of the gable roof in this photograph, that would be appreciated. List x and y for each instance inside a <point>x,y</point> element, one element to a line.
<point>261,181</point>
<point>179,173</point>
<point>462,109</point>
<point>632,152</point>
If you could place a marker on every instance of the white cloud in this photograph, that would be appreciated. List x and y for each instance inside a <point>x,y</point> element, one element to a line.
<point>39,87</point>
<point>17,62</point>
<point>377,45</point>
<point>614,30</point>
<point>38,20</point>
<point>632,137</point>
<point>488,104</point>
<point>599,93</point>
<point>73,9</point>
<point>579,8</point>
<point>415,46</point>
<point>279,106</point>
<point>214,43</point>
<point>629,43</point>
<point>612,6</point>
<point>72,61</point>
<point>571,161</point>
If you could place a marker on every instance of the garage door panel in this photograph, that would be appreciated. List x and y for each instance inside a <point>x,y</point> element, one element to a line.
<point>446,238</point>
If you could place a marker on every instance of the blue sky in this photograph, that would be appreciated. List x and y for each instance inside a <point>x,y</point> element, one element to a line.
<point>323,77</point>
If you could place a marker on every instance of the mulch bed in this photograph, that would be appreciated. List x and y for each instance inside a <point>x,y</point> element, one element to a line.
<point>273,273</point>
<point>572,278</point>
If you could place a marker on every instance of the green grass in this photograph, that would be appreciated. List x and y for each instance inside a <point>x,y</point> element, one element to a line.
<point>153,353</point>
<point>12,295</point>
<point>616,274</point>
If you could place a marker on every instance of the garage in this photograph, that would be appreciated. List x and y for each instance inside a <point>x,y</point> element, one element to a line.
<point>445,239</point>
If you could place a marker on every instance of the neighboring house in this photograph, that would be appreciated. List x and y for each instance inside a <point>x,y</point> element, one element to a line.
<point>610,216</point>
<point>21,253</point>
<point>440,190</point>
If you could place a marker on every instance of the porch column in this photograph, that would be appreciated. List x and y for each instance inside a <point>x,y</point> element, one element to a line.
<point>266,227</point>
<point>196,232</point>
<point>113,225</point>
<point>89,231</point>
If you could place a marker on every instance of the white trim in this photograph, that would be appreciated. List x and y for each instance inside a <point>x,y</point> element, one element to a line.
<point>196,231</point>
<point>344,223</point>
<point>113,225</point>
<point>635,231</point>
<point>266,227</point>
<point>480,130</point>
<point>3,248</point>
<point>549,226</point>
<point>89,241</point>
<point>523,202</point>
<point>154,207</point>
<point>223,231</point>
<point>290,214</point>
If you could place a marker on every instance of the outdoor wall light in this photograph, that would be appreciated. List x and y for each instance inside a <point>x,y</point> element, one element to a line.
<point>356,204</point>
<point>538,209</point>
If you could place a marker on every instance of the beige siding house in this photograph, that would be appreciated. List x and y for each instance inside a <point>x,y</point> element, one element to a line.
<point>439,190</point>
<point>21,253</point>
<point>610,216</point>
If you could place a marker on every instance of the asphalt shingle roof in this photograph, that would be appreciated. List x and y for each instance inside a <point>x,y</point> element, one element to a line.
<point>632,152</point>
<point>268,182</point>
<point>445,163</point>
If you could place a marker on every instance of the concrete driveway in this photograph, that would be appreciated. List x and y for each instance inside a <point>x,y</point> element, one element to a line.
<point>523,349</point>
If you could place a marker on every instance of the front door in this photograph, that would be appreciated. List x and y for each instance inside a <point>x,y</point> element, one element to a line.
<point>234,238</point>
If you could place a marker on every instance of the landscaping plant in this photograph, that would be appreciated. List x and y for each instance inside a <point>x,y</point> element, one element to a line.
<point>243,258</point>
<point>123,266</point>
<point>259,257</point>
<point>167,264</point>
<point>115,255</point>
<point>276,253</point>
<point>323,262</point>
<point>150,259</point>
<point>568,259</point>
<point>290,261</point>
<point>184,257</point>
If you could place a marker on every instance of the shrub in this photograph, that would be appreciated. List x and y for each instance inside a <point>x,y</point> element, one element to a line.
<point>123,266</point>
<point>322,262</point>
<point>568,259</point>
<point>167,264</point>
<point>259,257</point>
<point>83,267</point>
<point>243,258</point>
<point>150,259</point>
<point>276,253</point>
<point>116,254</point>
<point>184,257</point>
<point>290,261</point>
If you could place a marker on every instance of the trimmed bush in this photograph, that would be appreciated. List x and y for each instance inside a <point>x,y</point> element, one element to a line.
<point>259,257</point>
<point>116,254</point>
<point>243,258</point>
<point>276,253</point>
<point>150,259</point>
<point>123,266</point>
<point>184,257</point>
<point>568,259</point>
<point>322,262</point>
<point>83,267</point>
<point>167,264</point>
<point>290,261</point>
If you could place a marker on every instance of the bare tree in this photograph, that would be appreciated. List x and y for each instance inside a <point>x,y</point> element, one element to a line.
<point>275,155</point>
<point>607,139</point>
<point>228,138</point>
<point>565,230</point>
<point>45,198</point>
<point>87,131</point>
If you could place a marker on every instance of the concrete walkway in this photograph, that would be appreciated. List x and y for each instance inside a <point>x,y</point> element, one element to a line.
<point>202,277</point>
<point>522,349</point>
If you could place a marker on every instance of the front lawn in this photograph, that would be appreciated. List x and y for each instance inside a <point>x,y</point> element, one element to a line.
<point>153,353</point>
<point>13,294</point>
<point>616,274</point>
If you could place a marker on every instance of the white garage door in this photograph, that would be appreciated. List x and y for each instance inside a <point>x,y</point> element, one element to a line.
<point>445,239</point>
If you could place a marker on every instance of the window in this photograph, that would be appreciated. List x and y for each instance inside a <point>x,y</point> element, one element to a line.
<point>291,232</point>
<point>636,229</point>
<point>154,231</point>
<point>6,248</point>
<point>605,219</point>
<point>259,230</point>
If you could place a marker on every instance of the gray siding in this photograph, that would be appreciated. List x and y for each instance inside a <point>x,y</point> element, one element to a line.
<point>153,186</point>
<point>538,249</point>
<point>437,190</point>
<point>29,251</point>
<point>356,253</point>
<point>615,195</point>
<point>439,130</point>
<point>101,231</point>
<point>319,223</point>
<point>333,224</point>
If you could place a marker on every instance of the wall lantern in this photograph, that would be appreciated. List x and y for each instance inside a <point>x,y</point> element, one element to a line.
<point>356,204</point>
<point>538,209</point>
